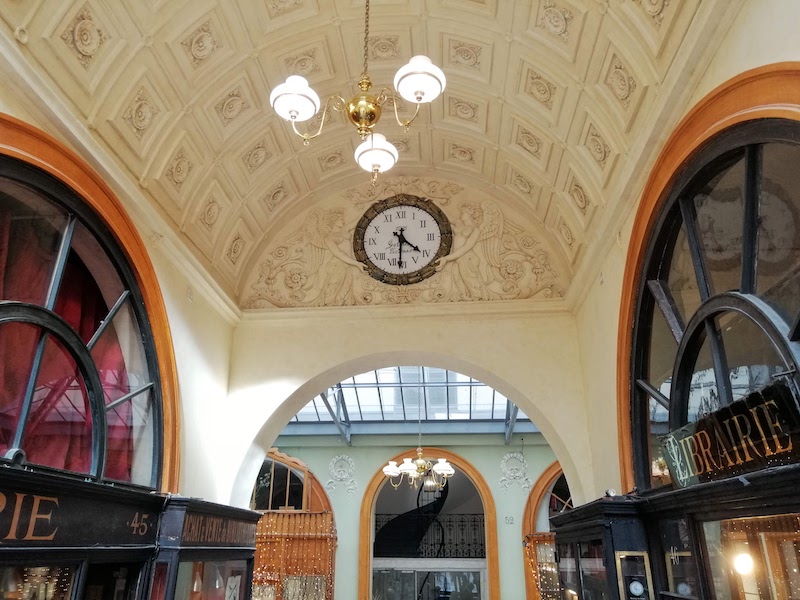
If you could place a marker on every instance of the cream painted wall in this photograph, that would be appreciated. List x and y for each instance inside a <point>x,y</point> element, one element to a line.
<point>597,327</point>
<point>765,31</point>
<point>281,360</point>
<point>370,453</point>
<point>202,346</point>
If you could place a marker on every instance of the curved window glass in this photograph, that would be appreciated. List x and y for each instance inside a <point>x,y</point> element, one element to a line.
<point>718,301</point>
<point>78,378</point>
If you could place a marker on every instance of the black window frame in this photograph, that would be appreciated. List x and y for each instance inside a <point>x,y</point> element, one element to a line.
<point>79,210</point>
<point>675,209</point>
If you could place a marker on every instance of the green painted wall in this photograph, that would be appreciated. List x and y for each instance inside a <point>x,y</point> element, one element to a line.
<point>370,453</point>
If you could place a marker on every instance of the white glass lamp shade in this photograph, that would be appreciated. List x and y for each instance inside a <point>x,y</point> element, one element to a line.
<point>294,100</point>
<point>408,467</point>
<point>420,80</point>
<point>391,470</point>
<point>376,154</point>
<point>442,467</point>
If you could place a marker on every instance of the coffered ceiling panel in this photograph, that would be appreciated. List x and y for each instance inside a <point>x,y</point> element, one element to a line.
<point>545,102</point>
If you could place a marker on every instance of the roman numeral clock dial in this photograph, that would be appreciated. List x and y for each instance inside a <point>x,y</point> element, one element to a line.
<point>400,239</point>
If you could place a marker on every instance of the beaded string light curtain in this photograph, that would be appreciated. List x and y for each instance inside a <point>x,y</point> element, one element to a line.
<point>294,556</point>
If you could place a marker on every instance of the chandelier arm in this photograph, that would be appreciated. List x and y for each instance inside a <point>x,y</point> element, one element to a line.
<point>404,124</point>
<point>336,102</point>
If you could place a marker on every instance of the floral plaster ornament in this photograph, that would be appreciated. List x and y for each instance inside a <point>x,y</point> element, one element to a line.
<point>342,469</point>
<point>515,469</point>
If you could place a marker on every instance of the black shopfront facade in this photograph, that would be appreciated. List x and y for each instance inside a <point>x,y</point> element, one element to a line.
<point>714,390</point>
<point>84,508</point>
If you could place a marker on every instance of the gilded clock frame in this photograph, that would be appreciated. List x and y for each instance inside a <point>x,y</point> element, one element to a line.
<point>376,209</point>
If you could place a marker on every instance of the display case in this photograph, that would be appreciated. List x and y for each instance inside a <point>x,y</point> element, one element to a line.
<point>602,552</point>
<point>205,551</point>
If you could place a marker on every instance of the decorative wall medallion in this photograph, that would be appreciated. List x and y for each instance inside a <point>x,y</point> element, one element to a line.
<point>277,8</point>
<point>383,48</point>
<point>275,196</point>
<point>621,84</point>
<point>522,184</point>
<point>654,9</point>
<point>200,44</point>
<point>467,55</point>
<point>342,469</point>
<point>462,153</point>
<point>538,88</point>
<point>332,160</point>
<point>578,195</point>
<point>231,106</point>
<point>597,146</point>
<point>462,109</point>
<point>566,233</point>
<point>256,156</point>
<point>179,170</point>
<point>556,20</point>
<point>314,265</point>
<point>84,36</point>
<point>514,468</point>
<point>529,142</point>
<point>210,214</point>
<point>235,249</point>
<point>140,113</point>
<point>304,63</point>
<point>402,144</point>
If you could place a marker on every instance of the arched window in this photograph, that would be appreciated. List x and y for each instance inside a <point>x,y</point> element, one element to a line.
<point>717,310</point>
<point>79,381</point>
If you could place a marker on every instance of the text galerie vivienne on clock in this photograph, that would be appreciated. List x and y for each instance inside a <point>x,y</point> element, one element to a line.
<point>399,239</point>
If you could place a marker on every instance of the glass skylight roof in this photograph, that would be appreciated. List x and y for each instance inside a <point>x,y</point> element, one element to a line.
<point>393,394</point>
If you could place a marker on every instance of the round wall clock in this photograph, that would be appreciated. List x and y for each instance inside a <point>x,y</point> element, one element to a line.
<point>400,239</point>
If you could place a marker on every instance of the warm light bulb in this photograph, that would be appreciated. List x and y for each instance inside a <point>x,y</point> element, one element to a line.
<point>743,563</point>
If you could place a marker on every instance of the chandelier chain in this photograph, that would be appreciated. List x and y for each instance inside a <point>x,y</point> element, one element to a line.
<point>366,38</point>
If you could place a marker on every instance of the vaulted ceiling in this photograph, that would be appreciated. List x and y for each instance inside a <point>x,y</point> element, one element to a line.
<point>552,112</point>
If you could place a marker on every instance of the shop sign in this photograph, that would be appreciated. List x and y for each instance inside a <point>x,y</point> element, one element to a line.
<point>31,519</point>
<point>212,530</point>
<point>758,431</point>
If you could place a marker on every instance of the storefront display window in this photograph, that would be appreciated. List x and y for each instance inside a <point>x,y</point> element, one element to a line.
<point>593,571</point>
<point>211,580</point>
<point>755,557</point>
<point>36,583</point>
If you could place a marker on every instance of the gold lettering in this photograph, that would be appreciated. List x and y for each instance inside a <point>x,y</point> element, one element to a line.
<point>775,425</point>
<point>705,449</point>
<point>731,437</point>
<point>745,436</point>
<point>754,412</point>
<point>722,444</point>
<point>12,531</point>
<point>37,516</point>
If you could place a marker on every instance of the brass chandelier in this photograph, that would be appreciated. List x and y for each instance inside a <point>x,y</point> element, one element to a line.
<point>419,81</point>
<point>420,470</point>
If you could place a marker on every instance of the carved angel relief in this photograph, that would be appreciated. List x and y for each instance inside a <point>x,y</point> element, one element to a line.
<point>492,259</point>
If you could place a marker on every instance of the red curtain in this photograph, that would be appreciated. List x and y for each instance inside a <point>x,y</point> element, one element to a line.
<point>59,429</point>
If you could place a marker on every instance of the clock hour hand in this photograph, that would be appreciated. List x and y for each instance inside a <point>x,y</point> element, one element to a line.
<point>402,238</point>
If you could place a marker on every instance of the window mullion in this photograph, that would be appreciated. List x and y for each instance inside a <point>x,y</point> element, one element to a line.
<point>720,363</point>
<point>27,402</point>
<point>693,238</point>
<point>61,264</point>
<point>752,203</point>
<point>666,304</point>
<point>652,391</point>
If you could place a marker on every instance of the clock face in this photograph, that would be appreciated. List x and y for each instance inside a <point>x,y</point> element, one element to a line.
<point>636,588</point>
<point>400,239</point>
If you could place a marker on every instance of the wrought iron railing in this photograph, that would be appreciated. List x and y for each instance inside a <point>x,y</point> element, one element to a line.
<point>447,536</point>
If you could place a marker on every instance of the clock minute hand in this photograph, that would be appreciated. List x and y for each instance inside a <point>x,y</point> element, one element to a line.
<point>400,240</point>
